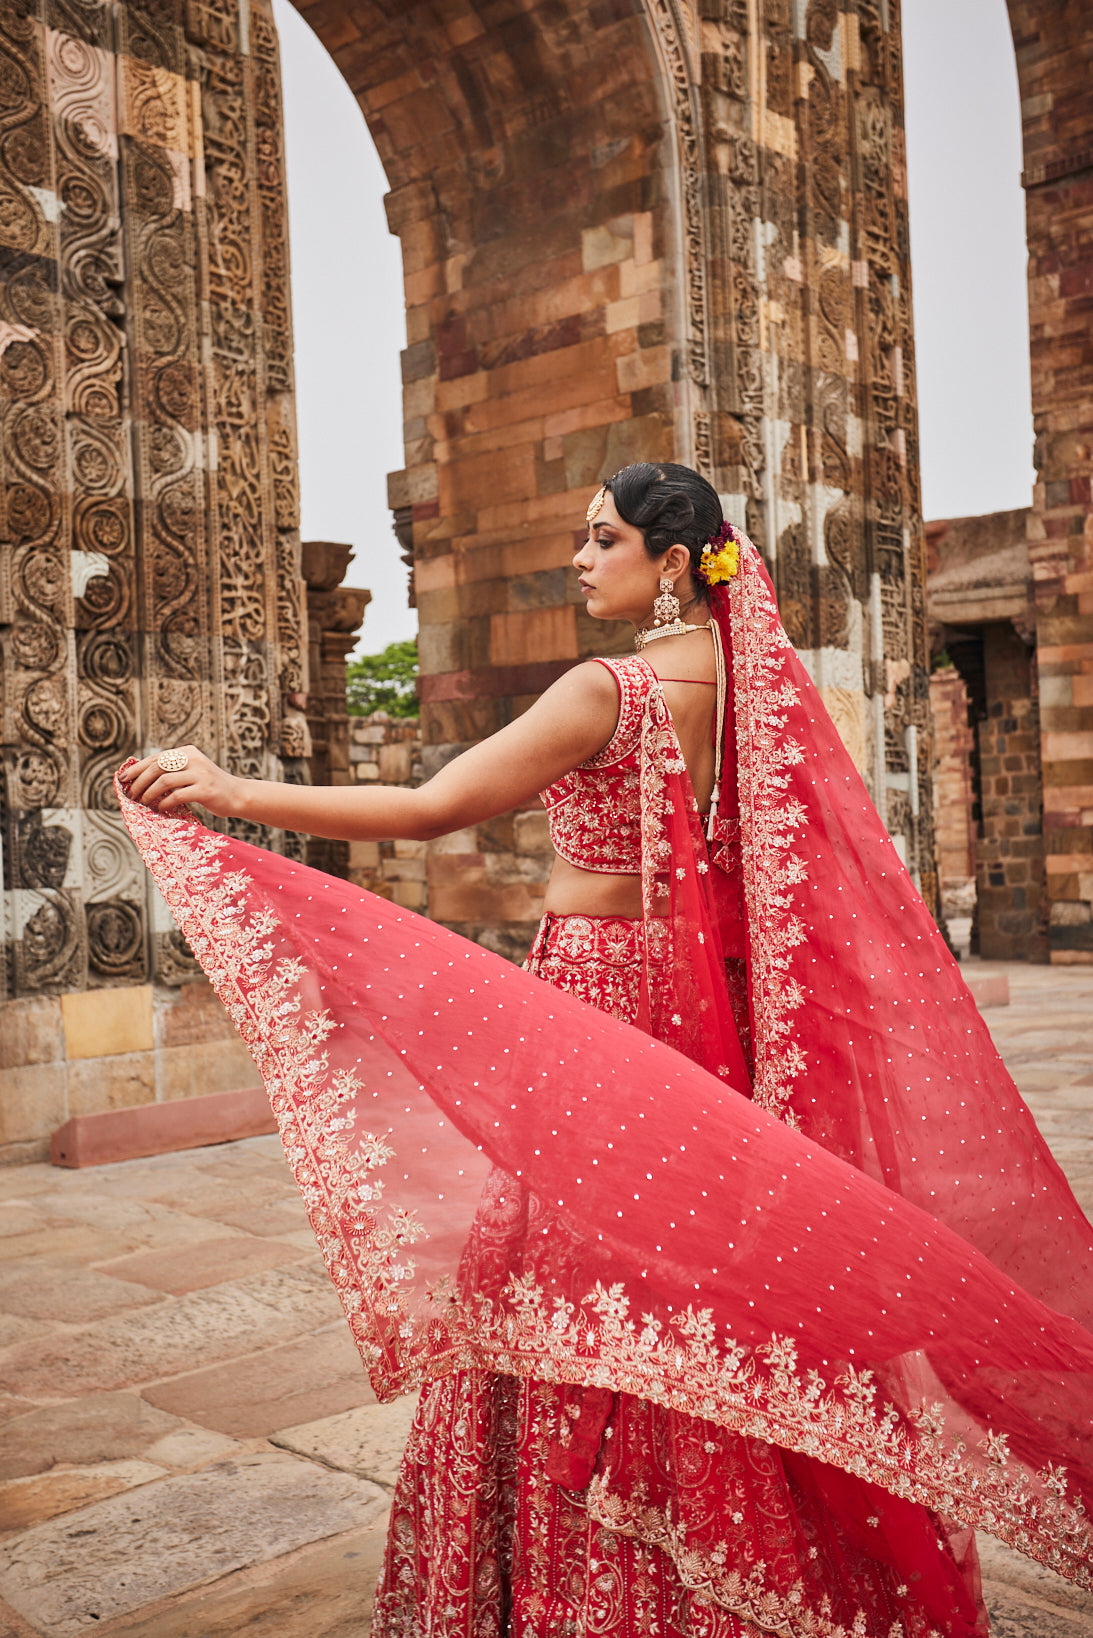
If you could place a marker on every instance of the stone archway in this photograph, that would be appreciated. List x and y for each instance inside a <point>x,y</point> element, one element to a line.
<point>660,229</point>
<point>553,335</point>
<point>630,227</point>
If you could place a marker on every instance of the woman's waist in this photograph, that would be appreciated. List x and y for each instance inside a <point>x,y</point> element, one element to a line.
<point>576,891</point>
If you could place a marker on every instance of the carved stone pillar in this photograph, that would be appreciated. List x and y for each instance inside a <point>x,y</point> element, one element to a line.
<point>1054,45</point>
<point>150,591</point>
<point>334,615</point>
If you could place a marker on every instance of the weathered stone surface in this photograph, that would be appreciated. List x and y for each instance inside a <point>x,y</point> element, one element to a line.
<point>12,1624</point>
<point>1015,1617</point>
<point>101,1023</point>
<point>33,1102</point>
<point>68,1241</point>
<point>205,1263</point>
<point>322,1591</point>
<point>110,1558</point>
<point>24,1182</point>
<point>254,1396</point>
<point>368,1441</point>
<point>32,1032</point>
<point>190,1448</point>
<point>274,1221</point>
<point>189,1332</point>
<point>13,1329</point>
<point>1011,1581</point>
<point>129,1225</point>
<point>10,1408</point>
<point>19,1217</point>
<point>100,1428</point>
<point>38,1289</point>
<point>25,1502</point>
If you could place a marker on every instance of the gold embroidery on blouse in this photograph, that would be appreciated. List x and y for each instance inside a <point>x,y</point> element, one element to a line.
<point>593,811</point>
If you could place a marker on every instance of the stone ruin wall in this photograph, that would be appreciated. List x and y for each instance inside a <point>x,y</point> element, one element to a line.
<point>698,251</point>
<point>1054,46</point>
<point>150,591</point>
<point>655,230</point>
<point>1011,594</point>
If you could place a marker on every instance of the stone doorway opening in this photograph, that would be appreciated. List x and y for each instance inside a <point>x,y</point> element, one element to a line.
<point>985,695</point>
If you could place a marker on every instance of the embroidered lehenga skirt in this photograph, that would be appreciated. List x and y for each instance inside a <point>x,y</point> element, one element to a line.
<point>525,1508</point>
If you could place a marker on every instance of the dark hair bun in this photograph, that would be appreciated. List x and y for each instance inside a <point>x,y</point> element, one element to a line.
<point>671,505</point>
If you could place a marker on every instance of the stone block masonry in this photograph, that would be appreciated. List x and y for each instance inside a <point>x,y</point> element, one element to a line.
<point>81,1053</point>
<point>150,585</point>
<point>954,824</point>
<point>629,230</point>
<point>1055,69</point>
<point>695,249</point>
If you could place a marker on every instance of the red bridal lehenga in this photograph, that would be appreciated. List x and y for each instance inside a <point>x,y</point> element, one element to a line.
<point>739,1282</point>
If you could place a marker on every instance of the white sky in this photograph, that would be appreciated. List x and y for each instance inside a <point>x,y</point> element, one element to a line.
<point>968,267</point>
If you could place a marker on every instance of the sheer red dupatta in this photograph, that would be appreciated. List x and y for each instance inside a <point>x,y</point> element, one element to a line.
<point>866,1037</point>
<point>670,1239</point>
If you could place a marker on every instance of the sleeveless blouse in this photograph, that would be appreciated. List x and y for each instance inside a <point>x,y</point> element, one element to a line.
<point>594,811</point>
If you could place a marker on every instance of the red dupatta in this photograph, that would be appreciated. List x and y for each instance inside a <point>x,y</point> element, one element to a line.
<point>898,1287</point>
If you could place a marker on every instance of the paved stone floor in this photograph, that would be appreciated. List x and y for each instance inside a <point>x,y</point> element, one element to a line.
<point>189,1448</point>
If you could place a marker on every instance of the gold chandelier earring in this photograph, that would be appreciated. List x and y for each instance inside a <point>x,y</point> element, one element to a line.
<point>666,607</point>
<point>666,616</point>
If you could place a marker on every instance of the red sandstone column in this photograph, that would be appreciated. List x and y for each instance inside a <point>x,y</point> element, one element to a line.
<point>1053,46</point>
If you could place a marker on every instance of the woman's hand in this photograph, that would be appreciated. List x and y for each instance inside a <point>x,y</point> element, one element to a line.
<point>199,781</point>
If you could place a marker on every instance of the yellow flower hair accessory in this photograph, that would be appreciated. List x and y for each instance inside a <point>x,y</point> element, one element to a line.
<point>720,558</point>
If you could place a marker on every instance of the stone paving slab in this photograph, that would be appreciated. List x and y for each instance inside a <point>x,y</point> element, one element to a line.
<point>322,1591</point>
<point>26,1502</point>
<point>201,1328</point>
<point>368,1441</point>
<point>253,1397</point>
<point>206,1262</point>
<point>109,1559</point>
<point>43,1289</point>
<point>13,1330</point>
<point>60,1240</point>
<point>97,1428</point>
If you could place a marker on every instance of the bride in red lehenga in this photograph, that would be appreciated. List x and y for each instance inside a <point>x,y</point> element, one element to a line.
<point>739,1283</point>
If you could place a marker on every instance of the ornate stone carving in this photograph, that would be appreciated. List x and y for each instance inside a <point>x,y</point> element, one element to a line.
<point>687,115</point>
<point>106,400</point>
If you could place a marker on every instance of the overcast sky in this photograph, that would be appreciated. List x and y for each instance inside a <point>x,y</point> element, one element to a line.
<point>968,267</point>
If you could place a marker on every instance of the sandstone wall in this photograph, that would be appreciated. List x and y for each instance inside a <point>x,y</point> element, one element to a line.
<point>1011,919</point>
<point>1054,47</point>
<point>954,798</point>
<point>150,589</point>
<point>648,230</point>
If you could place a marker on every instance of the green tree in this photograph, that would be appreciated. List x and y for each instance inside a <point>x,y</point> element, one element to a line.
<point>384,682</point>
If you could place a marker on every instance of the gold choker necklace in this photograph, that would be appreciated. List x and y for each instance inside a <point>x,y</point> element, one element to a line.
<point>675,628</point>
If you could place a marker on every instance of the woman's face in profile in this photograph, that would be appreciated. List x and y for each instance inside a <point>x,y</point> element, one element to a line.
<point>618,578</point>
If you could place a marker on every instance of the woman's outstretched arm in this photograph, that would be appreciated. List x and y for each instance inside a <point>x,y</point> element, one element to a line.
<point>570,722</point>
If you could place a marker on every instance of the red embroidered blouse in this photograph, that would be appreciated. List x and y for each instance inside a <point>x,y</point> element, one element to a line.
<point>595,810</point>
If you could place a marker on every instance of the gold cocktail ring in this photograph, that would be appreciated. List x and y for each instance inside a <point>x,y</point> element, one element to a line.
<point>172,761</point>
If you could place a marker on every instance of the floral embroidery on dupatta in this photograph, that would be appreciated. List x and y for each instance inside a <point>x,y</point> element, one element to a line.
<point>768,820</point>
